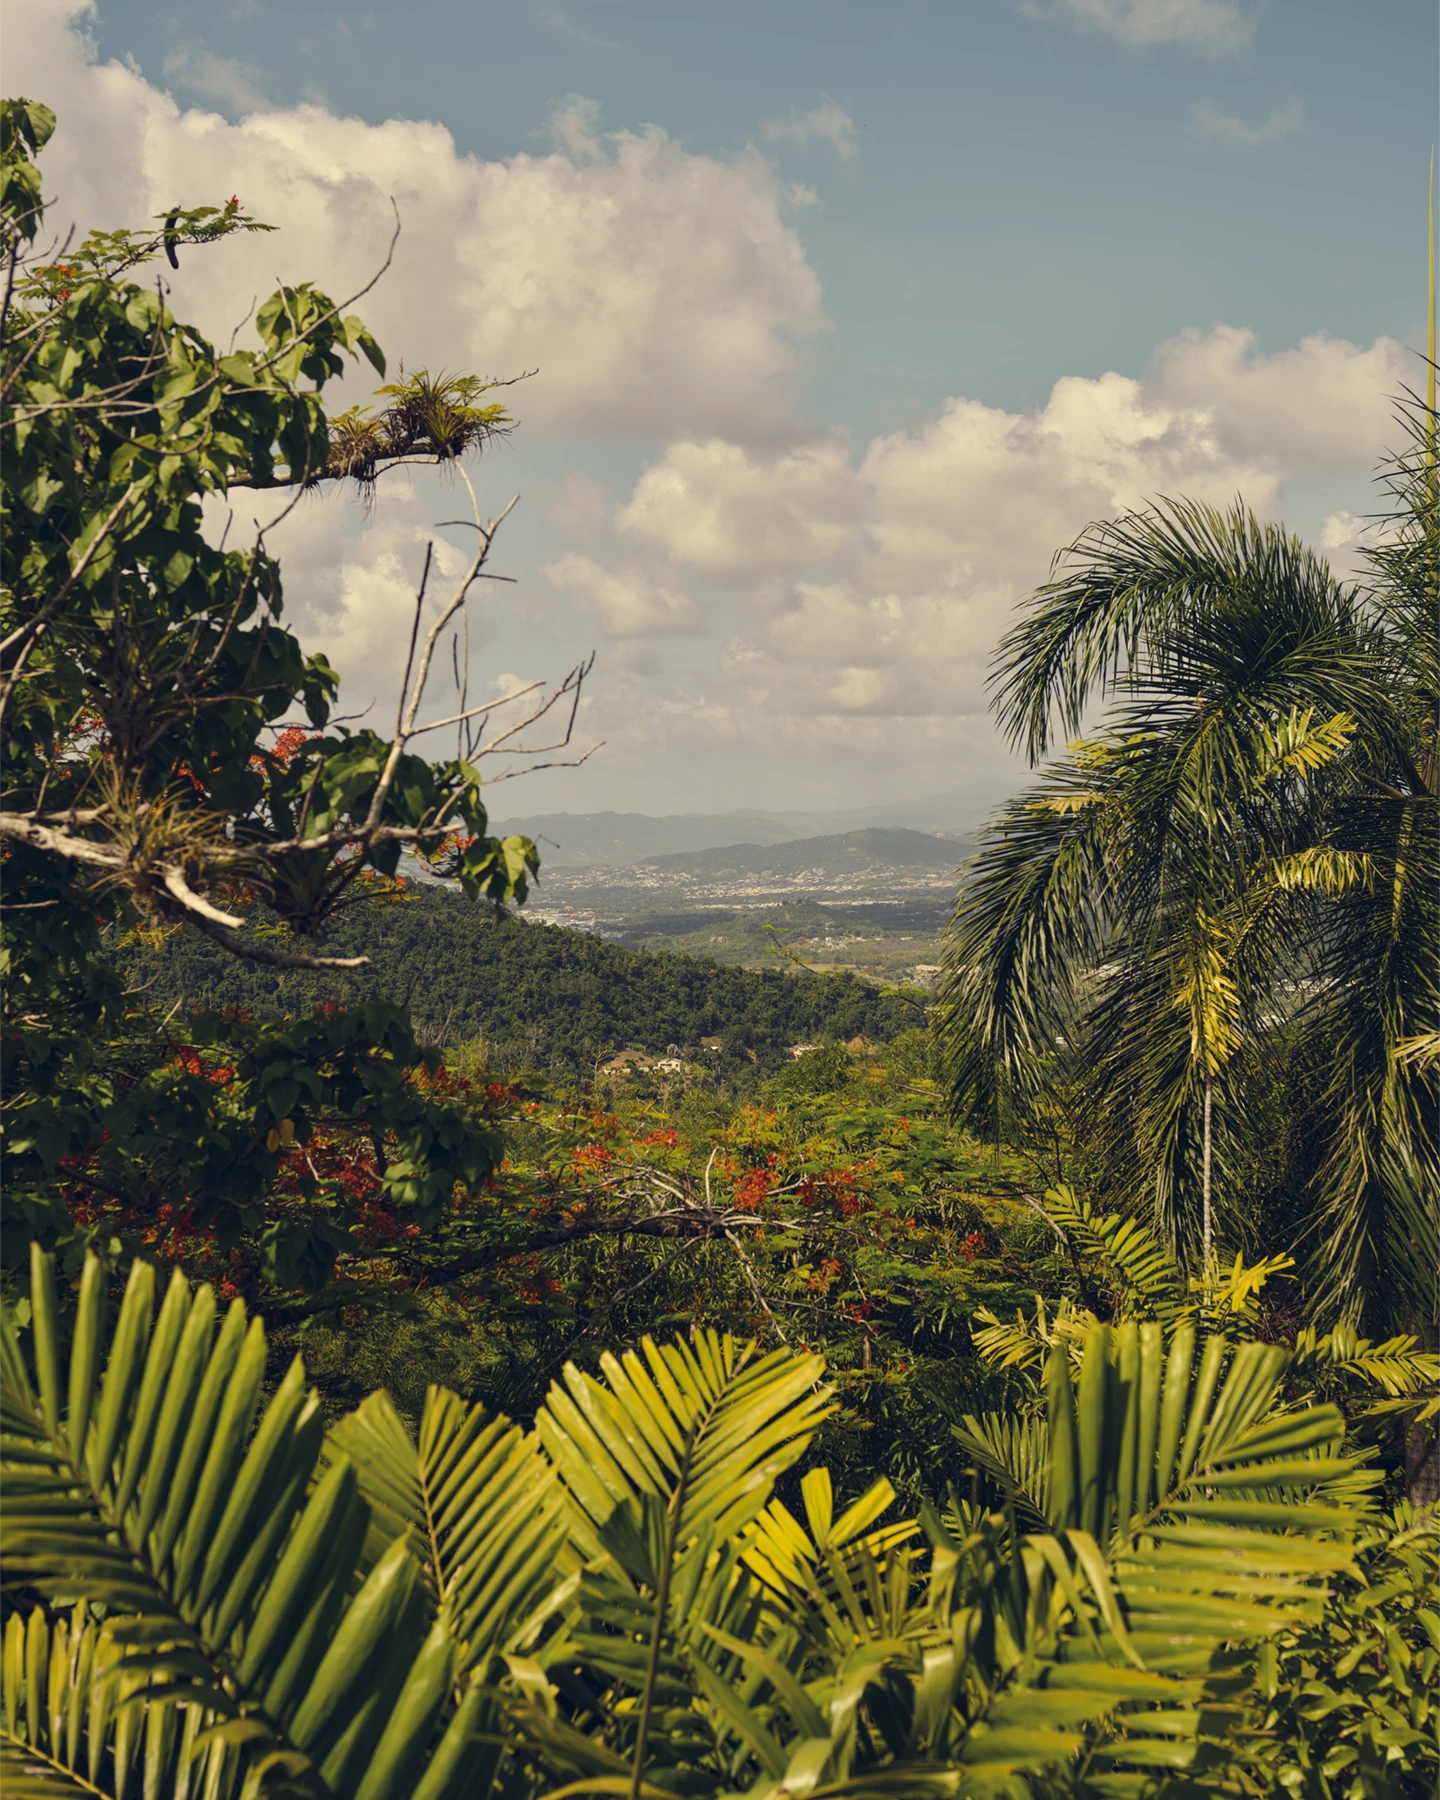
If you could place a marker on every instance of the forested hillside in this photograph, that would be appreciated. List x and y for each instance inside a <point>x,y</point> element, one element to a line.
<point>539,996</point>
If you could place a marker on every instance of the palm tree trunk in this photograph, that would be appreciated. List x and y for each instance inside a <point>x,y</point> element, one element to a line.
<point>1422,1442</point>
<point>1205,1213</point>
<point>1422,1465</point>
<point>1422,1445</point>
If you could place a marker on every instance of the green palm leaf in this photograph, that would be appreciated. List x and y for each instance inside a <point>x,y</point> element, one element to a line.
<point>667,1458</point>
<point>706,1429</point>
<point>232,1566</point>
<point>1015,1454</point>
<point>63,1729</point>
<point>617,1603</point>
<point>1140,1268</point>
<point>478,1504</point>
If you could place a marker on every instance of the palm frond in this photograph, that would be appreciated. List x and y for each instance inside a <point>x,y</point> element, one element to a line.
<point>1123,601</point>
<point>1015,1454</point>
<point>231,1568</point>
<point>616,1604</point>
<point>1375,1231</point>
<point>1405,1374</point>
<point>1028,923</point>
<point>1138,1269</point>
<point>1027,1343</point>
<point>67,1728</point>
<point>667,1460</point>
<point>704,1429</point>
<point>478,1503</point>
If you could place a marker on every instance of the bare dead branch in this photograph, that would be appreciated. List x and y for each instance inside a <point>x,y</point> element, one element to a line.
<point>572,762</point>
<point>414,634</point>
<point>60,843</point>
<point>474,712</point>
<point>179,889</point>
<point>249,951</point>
<point>415,694</point>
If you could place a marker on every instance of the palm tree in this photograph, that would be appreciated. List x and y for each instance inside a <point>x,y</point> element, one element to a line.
<point>1107,910</point>
<point>1151,904</point>
<point>1247,839</point>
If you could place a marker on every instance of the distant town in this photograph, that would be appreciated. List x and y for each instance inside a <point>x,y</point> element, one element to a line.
<point>872,901</point>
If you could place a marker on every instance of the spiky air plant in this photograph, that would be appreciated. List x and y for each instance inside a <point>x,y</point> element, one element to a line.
<point>159,848</point>
<point>426,415</point>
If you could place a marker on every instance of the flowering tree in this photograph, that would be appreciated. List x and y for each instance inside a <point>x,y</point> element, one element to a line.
<point>171,759</point>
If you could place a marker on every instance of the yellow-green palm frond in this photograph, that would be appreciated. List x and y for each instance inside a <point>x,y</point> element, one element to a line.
<point>1207,992</point>
<point>1140,1272</point>
<point>66,1727</point>
<point>1228,1295</point>
<point>144,1476</point>
<point>1404,1372</point>
<point>1321,869</point>
<point>1295,744</point>
<point>784,1553</point>
<point>478,1503</point>
<point>846,1581</point>
<point>1026,1343</point>
<point>1421,1051</point>
<point>1063,805</point>
<point>703,1428</point>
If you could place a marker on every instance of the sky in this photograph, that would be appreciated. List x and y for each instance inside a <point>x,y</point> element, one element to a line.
<point>845,318</point>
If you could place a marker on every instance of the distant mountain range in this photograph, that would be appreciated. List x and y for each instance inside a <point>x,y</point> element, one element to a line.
<point>587,840</point>
<point>845,853</point>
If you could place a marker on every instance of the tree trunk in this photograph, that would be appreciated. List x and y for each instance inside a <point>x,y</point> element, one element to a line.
<point>1205,1213</point>
<point>1422,1466</point>
<point>1422,1442</point>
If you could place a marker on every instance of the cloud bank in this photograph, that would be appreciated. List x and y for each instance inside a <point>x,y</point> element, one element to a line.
<point>770,597</point>
<point>876,584</point>
<point>655,290</point>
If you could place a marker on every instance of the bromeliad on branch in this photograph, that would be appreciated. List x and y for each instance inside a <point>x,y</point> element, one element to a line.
<point>118,609</point>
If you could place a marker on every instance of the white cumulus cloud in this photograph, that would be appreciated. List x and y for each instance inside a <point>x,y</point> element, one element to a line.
<point>1340,529</point>
<point>721,512</point>
<point>657,291</point>
<point>238,86</point>
<point>877,585</point>
<point>852,593</point>
<point>628,602</point>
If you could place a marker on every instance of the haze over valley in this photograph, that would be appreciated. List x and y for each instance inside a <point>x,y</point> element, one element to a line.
<point>871,900</point>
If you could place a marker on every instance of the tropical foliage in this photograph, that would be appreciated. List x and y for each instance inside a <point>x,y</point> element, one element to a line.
<point>828,1204</point>
<point>233,1599</point>
<point>736,1425</point>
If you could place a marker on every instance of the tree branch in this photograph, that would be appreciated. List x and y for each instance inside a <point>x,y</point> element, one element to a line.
<point>249,951</point>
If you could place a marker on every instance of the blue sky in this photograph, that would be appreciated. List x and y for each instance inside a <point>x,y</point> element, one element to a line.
<point>1028,200</point>
<point>921,218</point>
